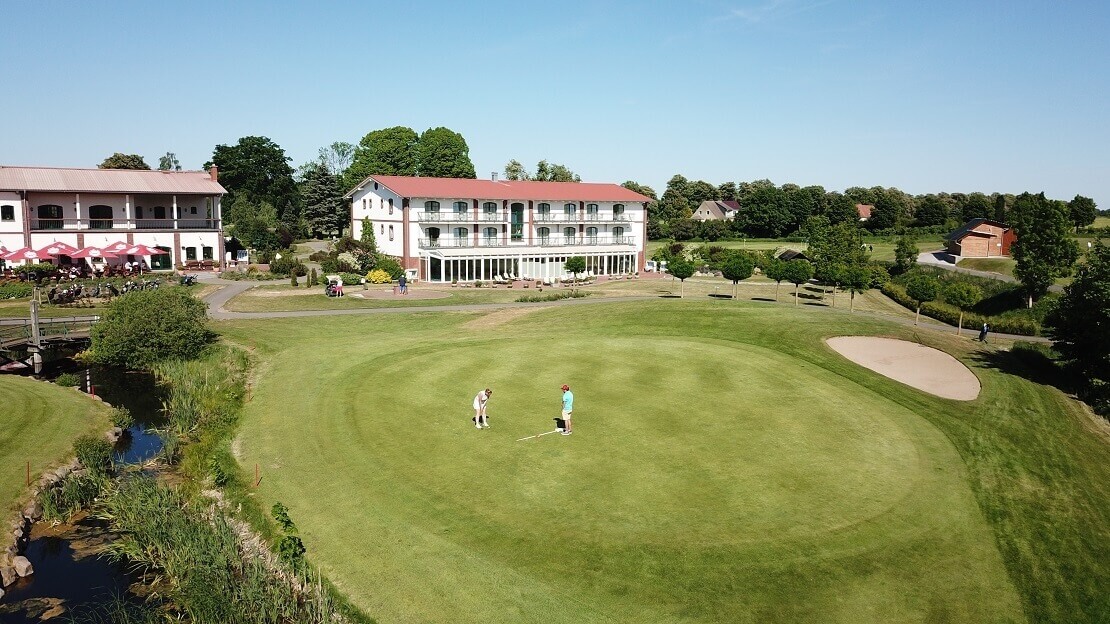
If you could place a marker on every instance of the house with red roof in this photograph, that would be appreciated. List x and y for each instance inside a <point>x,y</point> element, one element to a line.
<point>981,238</point>
<point>175,211</point>
<point>453,229</point>
<point>864,211</point>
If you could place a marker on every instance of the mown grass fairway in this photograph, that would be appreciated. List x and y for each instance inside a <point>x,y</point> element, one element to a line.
<point>38,423</point>
<point>726,466</point>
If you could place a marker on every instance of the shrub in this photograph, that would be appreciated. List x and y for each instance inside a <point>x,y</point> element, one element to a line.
<point>220,475</point>
<point>391,266</point>
<point>94,453</point>
<point>287,265</point>
<point>555,296</point>
<point>293,280</point>
<point>951,315</point>
<point>350,278</point>
<point>313,279</point>
<point>319,256</point>
<point>121,417</point>
<point>377,276</point>
<point>281,515</point>
<point>74,493</point>
<point>15,290</point>
<point>146,326</point>
<point>69,380</point>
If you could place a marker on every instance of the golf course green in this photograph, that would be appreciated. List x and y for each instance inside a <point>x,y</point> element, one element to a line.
<point>726,466</point>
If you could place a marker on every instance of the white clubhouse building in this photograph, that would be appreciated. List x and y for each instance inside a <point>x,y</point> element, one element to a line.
<point>453,229</point>
<point>176,211</point>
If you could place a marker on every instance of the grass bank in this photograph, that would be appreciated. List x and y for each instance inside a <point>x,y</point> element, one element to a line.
<point>39,423</point>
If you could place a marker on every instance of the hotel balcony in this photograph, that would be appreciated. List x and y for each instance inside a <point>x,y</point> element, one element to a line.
<point>70,225</point>
<point>585,241</point>
<point>575,217</point>
<point>452,242</point>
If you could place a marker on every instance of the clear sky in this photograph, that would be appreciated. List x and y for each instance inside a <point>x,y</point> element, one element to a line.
<point>926,96</point>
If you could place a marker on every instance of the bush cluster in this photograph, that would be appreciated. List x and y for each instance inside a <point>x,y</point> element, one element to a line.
<point>74,493</point>
<point>555,296</point>
<point>121,417</point>
<point>951,315</point>
<point>288,265</point>
<point>377,276</point>
<point>94,453</point>
<point>146,326</point>
<point>69,380</point>
<point>350,279</point>
<point>16,290</point>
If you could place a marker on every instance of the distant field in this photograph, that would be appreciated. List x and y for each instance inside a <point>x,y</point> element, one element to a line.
<point>882,248</point>
<point>1101,222</point>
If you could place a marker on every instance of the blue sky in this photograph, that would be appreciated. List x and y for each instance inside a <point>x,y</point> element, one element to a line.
<point>925,96</point>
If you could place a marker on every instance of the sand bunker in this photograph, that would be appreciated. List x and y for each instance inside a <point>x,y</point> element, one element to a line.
<point>915,365</point>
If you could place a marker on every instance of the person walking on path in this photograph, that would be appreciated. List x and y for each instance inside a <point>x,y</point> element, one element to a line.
<point>568,407</point>
<point>403,284</point>
<point>983,332</point>
<point>480,400</point>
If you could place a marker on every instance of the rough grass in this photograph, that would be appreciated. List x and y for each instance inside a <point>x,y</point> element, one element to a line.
<point>39,422</point>
<point>726,466</point>
<point>883,249</point>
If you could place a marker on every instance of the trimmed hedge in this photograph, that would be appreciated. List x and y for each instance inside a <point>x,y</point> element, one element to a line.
<point>951,314</point>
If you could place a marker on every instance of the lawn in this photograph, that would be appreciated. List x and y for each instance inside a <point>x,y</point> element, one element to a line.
<point>1003,266</point>
<point>1101,222</point>
<point>726,466</point>
<point>39,423</point>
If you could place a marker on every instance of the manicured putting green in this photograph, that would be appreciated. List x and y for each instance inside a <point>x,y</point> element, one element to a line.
<point>728,472</point>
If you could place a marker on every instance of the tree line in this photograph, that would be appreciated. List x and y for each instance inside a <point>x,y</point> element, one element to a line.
<point>771,211</point>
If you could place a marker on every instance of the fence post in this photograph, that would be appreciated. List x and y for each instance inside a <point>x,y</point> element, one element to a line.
<point>257,476</point>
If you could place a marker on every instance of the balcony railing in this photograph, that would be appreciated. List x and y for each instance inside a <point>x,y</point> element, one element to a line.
<point>585,241</point>
<point>124,224</point>
<point>492,216</point>
<point>445,217</point>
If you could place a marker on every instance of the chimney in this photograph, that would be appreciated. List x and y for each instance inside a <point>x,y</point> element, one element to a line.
<point>493,176</point>
<point>213,172</point>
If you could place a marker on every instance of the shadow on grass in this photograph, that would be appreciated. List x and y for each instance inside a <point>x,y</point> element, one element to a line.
<point>1028,362</point>
<point>763,299</point>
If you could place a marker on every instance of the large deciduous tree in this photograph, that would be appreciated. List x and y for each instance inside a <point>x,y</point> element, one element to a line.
<point>1079,324</point>
<point>552,172</point>
<point>516,171</point>
<point>1083,211</point>
<point>389,151</point>
<point>258,170</point>
<point>642,189</point>
<point>325,211</point>
<point>1043,250</point>
<point>337,157</point>
<point>443,153</point>
<point>124,161</point>
<point>931,210</point>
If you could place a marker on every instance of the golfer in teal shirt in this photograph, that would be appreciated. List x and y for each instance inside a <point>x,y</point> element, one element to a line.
<point>568,407</point>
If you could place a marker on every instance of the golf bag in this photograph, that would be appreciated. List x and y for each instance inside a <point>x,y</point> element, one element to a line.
<point>560,424</point>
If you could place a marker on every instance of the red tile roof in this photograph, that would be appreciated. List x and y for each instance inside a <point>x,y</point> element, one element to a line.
<point>107,181</point>
<point>462,188</point>
<point>864,210</point>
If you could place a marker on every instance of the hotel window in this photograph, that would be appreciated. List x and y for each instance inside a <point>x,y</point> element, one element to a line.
<point>382,229</point>
<point>390,205</point>
<point>206,253</point>
<point>7,213</point>
<point>618,211</point>
<point>591,212</point>
<point>159,212</point>
<point>192,210</point>
<point>544,211</point>
<point>544,234</point>
<point>460,236</point>
<point>618,235</point>
<point>568,211</point>
<point>489,209</point>
<point>431,206</point>
<point>364,204</point>
<point>568,235</point>
<point>50,217</point>
<point>516,221</point>
<point>100,217</point>
<point>490,235</point>
<point>391,232</point>
<point>190,253</point>
<point>591,234</point>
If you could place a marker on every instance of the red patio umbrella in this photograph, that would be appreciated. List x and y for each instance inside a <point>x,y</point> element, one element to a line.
<point>116,247</point>
<point>27,253</point>
<point>143,250</point>
<point>58,249</point>
<point>92,252</point>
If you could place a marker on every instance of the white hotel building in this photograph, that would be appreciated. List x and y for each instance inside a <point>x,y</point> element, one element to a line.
<point>447,229</point>
<point>177,211</point>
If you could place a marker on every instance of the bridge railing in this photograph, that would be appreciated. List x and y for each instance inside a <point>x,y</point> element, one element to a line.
<point>17,331</point>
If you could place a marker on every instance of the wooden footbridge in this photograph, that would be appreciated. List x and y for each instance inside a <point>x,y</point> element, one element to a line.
<point>23,341</point>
